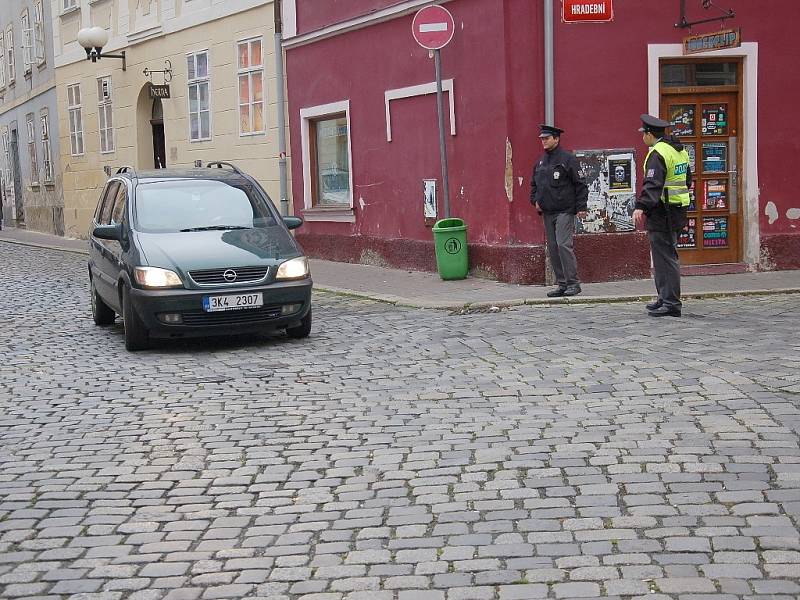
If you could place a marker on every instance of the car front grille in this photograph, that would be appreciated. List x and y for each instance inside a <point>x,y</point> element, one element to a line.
<point>229,276</point>
<point>231,317</point>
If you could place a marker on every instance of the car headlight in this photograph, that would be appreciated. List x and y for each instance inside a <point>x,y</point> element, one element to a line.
<point>297,268</point>
<point>155,277</point>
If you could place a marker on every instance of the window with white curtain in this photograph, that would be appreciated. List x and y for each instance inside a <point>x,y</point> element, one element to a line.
<point>75,111</point>
<point>251,87</point>
<point>47,157</point>
<point>105,114</point>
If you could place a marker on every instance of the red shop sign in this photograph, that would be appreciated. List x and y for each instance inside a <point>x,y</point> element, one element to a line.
<point>585,11</point>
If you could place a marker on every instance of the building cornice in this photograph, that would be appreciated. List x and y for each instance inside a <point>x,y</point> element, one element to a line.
<point>378,16</point>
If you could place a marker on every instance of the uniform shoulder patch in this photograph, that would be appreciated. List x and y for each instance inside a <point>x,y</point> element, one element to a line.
<point>651,173</point>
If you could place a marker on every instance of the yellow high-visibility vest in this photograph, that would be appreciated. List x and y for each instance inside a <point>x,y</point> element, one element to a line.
<point>675,190</point>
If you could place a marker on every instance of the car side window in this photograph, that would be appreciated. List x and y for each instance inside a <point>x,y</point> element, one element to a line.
<point>121,201</point>
<point>108,203</point>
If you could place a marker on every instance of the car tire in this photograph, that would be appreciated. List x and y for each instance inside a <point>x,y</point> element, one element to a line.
<point>301,331</point>
<point>136,336</point>
<point>102,313</point>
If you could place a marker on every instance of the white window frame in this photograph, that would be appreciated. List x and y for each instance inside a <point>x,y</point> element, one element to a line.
<point>2,59</point>
<point>68,5</point>
<point>27,40</point>
<point>75,116</point>
<point>197,83</point>
<point>33,154</point>
<point>38,33</point>
<point>251,72</point>
<point>12,68</point>
<point>47,155</point>
<point>105,115</point>
<point>315,113</point>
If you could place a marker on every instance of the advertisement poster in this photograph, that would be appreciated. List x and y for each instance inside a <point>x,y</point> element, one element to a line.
<point>611,177</point>
<point>692,203</point>
<point>715,119</point>
<point>690,150</point>
<point>686,238</point>
<point>429,198</point>
<point>715,157</point>
<point>715,232</point>
<point>682,118</point>
<point>716,193</point>
<point>621,177</point>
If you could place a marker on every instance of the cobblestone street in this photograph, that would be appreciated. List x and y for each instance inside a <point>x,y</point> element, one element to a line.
<point>537,452</point>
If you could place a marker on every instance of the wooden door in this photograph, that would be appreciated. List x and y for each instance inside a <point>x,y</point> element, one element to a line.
<point>708,126</point>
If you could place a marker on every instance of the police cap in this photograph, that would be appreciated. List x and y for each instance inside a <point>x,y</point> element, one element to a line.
<point>548,130</point>
<point>651,124</point>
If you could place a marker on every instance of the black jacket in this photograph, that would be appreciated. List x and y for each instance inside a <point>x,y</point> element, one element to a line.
<point>557,185</point>
<point>650,198</point>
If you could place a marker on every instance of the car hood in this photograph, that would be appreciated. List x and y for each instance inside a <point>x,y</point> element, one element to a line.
<point>192,250</point>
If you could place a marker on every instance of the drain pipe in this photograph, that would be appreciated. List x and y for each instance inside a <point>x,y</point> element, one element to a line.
<point>549,77</point>
<point>279,77</point>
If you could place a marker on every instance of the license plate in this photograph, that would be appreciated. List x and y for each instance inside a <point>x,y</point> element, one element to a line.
<point>232,302</point>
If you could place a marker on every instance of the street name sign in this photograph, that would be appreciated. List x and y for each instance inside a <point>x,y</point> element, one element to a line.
<point>581,11</point>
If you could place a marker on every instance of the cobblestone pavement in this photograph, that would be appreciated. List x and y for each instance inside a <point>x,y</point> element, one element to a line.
<point>565,452</point>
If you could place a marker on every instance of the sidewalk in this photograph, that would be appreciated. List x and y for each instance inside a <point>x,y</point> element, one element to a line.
<point>427,290</point>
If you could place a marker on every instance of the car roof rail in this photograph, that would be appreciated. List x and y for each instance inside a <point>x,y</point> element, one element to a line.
<point>221,163</point>
<point>126,169</point>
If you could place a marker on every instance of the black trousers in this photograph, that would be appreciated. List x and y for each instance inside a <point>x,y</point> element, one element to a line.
<point>666,266</point>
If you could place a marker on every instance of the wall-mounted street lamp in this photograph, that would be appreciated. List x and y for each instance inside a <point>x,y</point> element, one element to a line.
<point>93,39</point>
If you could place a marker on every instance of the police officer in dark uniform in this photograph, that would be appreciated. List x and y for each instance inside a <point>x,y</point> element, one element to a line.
<point>661,207</point>
<point>559,192</point>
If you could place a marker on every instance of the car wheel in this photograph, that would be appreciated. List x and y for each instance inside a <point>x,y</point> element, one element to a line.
<point>136,336</point>
<point>102,313</point>
<point>302,330</point>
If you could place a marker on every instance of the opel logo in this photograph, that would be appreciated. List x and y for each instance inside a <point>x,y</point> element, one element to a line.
<point>229,275</point>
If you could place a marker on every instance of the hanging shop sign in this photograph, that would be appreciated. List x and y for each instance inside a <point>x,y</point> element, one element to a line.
<point>159,91</point>
<point>727,38</point>
<point>581,11</point>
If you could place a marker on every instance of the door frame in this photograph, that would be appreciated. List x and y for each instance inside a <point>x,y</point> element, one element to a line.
<point>748,52</point>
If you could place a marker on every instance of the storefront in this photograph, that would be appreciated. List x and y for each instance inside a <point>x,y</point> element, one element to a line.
<point>365,157</point>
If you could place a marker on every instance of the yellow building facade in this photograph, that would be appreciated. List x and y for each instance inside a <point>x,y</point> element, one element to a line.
<point>217,61</point>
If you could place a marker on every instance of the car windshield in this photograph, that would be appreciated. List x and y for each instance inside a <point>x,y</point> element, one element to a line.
<point>198,205</point>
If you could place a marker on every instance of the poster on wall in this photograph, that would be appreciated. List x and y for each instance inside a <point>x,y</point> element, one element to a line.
<point>692,201</point>
<point>611,177</point>
<point>682,118</point>
<point>715,193</point>
<point>621,178</point>
<point>715,119</point>
<point>686,238</point>
<point>690,150</point>
<point>715,232</point>
<point>715,157</point>
<point>429,198</point>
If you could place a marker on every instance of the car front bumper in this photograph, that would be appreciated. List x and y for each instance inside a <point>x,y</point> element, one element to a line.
<point>152,305</point>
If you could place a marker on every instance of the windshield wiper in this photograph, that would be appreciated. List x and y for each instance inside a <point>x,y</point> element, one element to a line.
<point>214,228</point>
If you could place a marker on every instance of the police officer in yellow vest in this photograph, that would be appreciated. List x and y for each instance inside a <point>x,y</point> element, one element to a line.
<point>661,207</point>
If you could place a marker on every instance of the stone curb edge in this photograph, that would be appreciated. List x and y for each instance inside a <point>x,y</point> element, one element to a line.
<point>485,306</point>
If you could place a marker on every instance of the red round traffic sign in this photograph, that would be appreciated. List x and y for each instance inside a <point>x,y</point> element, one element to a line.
<point>433,27</point>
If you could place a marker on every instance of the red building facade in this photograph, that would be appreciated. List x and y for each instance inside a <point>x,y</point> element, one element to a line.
<point>364,134</point>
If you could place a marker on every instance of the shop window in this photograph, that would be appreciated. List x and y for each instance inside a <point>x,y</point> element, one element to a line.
<point>251,87</point>
<point>75,119</point>
<point>199,96</point>
<point>695,74</point>
<point>329,144</point>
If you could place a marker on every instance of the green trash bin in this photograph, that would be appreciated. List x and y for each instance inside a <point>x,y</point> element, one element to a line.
<point>450,241</point>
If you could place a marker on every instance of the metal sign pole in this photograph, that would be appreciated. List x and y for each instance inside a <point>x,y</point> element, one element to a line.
<point>442,148</point>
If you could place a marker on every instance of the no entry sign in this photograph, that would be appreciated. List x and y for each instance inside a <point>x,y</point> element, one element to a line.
<point>586,11</point>
<point>433,27</point>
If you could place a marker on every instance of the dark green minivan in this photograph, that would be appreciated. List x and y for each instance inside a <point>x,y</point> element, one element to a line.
<point>195,252</point>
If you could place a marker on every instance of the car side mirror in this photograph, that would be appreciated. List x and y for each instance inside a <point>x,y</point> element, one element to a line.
<point>292,222</point>
<point>108,232</point>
